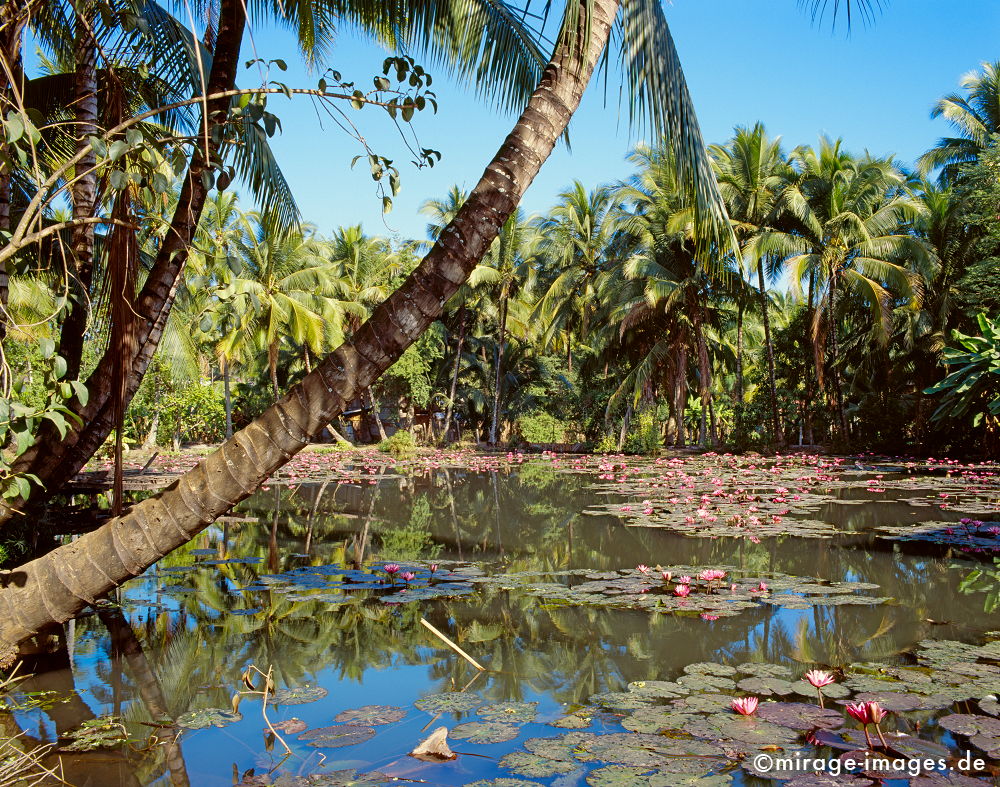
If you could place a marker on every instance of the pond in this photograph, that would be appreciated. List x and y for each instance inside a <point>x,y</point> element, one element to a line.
<point>552,573</point>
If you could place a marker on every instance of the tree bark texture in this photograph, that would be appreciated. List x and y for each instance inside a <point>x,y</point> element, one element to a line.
<point>84,192</point>
<point>56,460</point>
<point>61,583</point>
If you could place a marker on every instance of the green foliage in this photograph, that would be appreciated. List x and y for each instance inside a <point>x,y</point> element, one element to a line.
<point>974,387</point>
<point>644,436</point>
<point>400,445</point>
<point>40,395</point>
<point>411,376</point>
<point>543,427</point>
<point>192,414</point>
<point>982,580</point>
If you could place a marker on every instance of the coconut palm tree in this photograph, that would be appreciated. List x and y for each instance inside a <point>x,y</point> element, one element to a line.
<point>975,117</point>
<point>852,243</point>
<point>655,89</point>
<point>753,173</point>
<point>578,243</point>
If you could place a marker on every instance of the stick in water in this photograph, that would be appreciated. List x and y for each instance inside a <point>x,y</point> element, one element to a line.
<point>453,646</point>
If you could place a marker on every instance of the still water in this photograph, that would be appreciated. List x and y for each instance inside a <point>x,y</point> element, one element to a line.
<point>251,590</point>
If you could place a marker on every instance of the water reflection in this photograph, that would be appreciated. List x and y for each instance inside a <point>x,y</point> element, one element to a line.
<point>187,629</point>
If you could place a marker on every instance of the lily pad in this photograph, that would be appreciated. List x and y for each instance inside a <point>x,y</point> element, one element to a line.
<point>658,689</point>
<point>337,736</point>
<point>449,702</point>
<point>800,716</point>
<point>828,780</point>
<point>207,717</point>
<point>509,712</point>
<point>527,764</point>
<point>484,732</point>
<point>573,721</point>
<point>291,726</point>
<point>372,714</point>
<point>346,778</point>
<point>103,732</point>
<point>298,695</point>
<point>767,686</point>
<point>503,783</point>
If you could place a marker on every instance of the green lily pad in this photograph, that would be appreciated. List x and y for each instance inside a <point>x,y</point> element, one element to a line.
<point>710,668</point>
<point>828,780</point>
<point>573,721</point>
<point>766,686</point>
<point>372,714</point>
<point>337,736</point>
<point>800,716</point>
<point>298,695</point>
<point>565,747</point>
<point>449,702</point>
<point>526,764</point>
<point>509,712</point>
<point>765,670</point>
<point>658,689</point>
<point>503,783</point>
<point>620,700</point>
<point>207,717</point>
<point>699,681</point>
<point>484,732</point>
<point>103,732</point>
<point>895,701</point>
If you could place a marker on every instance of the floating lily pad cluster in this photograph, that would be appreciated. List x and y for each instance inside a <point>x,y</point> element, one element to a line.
<point>103,732</point>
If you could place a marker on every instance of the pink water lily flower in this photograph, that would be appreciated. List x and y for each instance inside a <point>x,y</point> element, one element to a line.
<point>819,678</point>
<point>682,590</point>
<point>407,576</point>
<point>642,568</point>
<point>745,706</point>
<point>666,576</point>
<point>390,568</point>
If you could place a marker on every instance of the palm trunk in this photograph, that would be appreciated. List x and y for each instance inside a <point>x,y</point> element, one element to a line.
<point>454,372</point>
<point>84,194</point>
<point>227,396</point>
<point>772,385</point>
<point>272,366</point>
<point>13,17</point>
<point>626,422</point>
<point>838,386</point>
<point>812,377</point>
<point>376,407</point>
<point>704,369</point>
<point>58,585</point>
<point>499,370</point>
<point>55,460</point>
<point>739,355</point>
<point>680,395</point>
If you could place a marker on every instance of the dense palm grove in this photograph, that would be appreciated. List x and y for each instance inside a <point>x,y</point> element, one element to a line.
<point>597,323</point>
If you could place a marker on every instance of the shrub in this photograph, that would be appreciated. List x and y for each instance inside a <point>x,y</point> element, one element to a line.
<point>401,444</point>
<point>542,427</point>
<point>196,414</point>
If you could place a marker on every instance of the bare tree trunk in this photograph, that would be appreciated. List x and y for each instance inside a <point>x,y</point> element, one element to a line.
<point>772,385</point>
<point>84,192</point>
<point>454,372</point>
<point>680,394</point>
<point>59,584</point>
<point>838,386</point>
<point>739,355</point>
<point>376,406</point>
<point>227,395</point>
<point>55,460</point>
<point>626,422</point>
<point>811,369</point>
<point>704,369</point>
<point>498,382</point>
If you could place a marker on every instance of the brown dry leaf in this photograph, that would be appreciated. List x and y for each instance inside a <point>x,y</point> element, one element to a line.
<point>434,748</point>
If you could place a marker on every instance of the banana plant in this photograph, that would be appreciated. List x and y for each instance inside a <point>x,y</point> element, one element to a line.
<point>974,386</point>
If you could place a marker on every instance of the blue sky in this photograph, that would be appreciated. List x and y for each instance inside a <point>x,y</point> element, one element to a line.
<point>745,60</point>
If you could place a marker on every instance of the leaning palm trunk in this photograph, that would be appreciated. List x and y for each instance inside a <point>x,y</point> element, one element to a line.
<point>772,386</point>
<point>55,460</point>
<point>61,583</point>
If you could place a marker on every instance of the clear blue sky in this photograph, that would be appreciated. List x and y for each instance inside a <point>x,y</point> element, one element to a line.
<point>745,60</point>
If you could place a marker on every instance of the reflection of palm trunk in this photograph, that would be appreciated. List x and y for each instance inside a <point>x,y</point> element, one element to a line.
<point>124,644</point>
<point>454,516</point>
